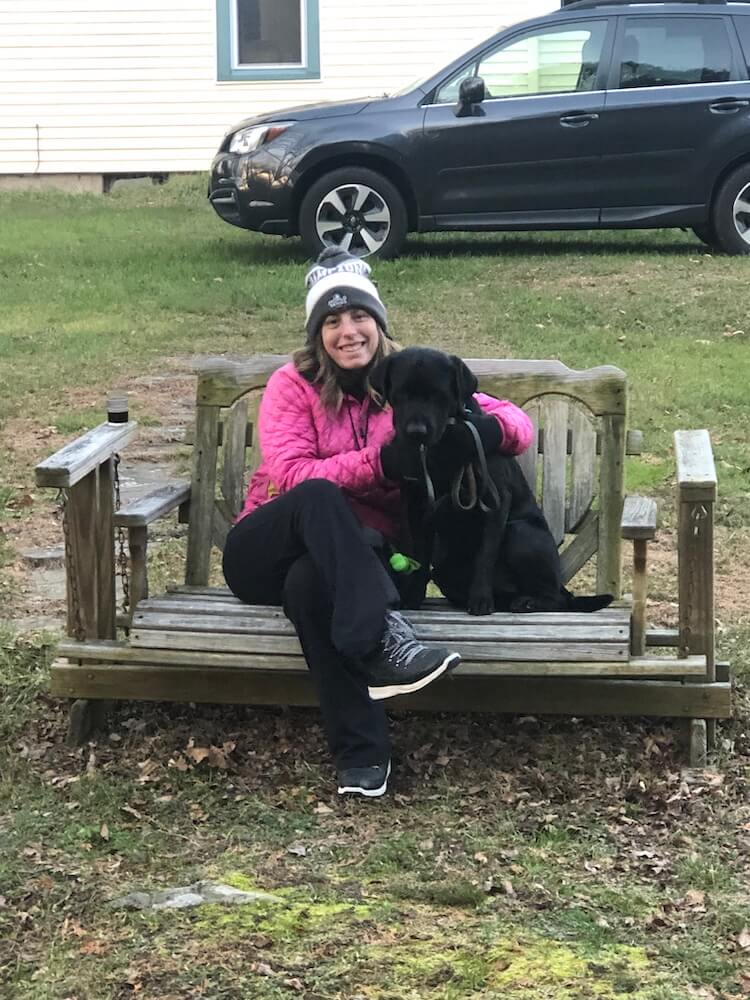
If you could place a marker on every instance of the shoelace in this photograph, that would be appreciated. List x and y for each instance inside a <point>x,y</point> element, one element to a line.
<point>398,640</point>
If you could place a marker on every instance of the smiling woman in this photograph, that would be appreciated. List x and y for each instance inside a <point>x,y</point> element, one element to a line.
<point>321,520</point>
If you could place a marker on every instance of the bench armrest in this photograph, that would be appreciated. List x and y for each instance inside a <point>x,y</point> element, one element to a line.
<point>153,505</point>
<point>696,500</point>
<point>696,471</point>
<point>72,463</point>
<point>638,518</point>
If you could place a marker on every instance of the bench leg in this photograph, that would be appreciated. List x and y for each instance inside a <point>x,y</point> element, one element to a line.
<point>698,742</point>
<point>711,733</point>
<point>85,717</point>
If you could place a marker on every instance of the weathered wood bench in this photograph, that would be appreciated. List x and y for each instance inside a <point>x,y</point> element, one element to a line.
<point>196,643</point>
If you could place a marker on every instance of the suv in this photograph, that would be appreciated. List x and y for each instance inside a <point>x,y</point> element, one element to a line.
<point>601,115</point>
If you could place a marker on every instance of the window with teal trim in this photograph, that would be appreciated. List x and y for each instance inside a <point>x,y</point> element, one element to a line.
<point>268,39</point>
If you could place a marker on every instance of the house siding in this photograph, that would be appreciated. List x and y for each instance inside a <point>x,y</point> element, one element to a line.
<point>108,86</point>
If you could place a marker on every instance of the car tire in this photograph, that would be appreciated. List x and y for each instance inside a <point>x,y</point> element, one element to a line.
<point>730,218</point>
<point>706,234</point>
<point>357,209</point>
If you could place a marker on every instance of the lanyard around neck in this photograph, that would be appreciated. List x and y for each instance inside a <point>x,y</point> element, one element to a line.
<point>360,443</point>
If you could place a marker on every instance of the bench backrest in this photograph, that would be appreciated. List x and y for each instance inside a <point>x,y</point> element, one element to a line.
<point>576,464</point>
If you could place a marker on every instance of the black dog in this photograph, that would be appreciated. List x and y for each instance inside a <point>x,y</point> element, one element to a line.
<point>488,543</point>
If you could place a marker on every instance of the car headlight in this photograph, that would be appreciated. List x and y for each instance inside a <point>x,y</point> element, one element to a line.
<point>248,139</point>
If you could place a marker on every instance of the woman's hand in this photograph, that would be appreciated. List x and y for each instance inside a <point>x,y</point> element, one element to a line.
<point>400,461</point>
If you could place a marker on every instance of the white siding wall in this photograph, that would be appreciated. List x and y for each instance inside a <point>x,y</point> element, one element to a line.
<point>130,85</point>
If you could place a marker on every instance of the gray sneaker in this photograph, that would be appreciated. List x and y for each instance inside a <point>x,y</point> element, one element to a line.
<point>371,782</point>
<point>401,664</point>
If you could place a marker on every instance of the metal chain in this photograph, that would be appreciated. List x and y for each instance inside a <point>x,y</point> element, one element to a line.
<point>122,555</point>
<point>71,573</point>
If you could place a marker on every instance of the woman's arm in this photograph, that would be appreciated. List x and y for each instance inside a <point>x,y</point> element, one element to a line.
<point>290,448</point>
<point>517,428</point>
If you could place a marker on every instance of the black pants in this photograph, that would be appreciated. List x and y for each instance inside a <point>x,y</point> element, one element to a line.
<point>307,552</point>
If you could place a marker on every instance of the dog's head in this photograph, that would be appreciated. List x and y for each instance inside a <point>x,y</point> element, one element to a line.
<point>424,388</point>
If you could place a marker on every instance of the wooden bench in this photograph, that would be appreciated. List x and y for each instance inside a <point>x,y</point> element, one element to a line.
<point>196,643</point>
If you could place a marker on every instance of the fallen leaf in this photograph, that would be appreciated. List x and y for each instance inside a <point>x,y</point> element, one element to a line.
<point>217,756</point>
<point>299,849</point>
<point>481,858</point>
<point>197,754</point>
<point>694,897</point>
<point>743,939</point>
<point>104,832</point>
<point>322,809</point>
<point>197,813</point>
<point>94,947</point>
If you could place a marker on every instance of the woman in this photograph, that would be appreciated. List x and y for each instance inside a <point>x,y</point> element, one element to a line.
<point>323,499</point>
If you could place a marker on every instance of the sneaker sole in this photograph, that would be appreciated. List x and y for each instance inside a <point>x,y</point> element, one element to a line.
<point>392,690</point>
<point>370,793</point>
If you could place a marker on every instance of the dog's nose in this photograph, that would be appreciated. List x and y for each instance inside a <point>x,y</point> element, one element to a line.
<point>417,430</point>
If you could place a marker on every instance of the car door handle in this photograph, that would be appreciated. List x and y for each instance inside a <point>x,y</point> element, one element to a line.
<point>578,120</point>
<point>728,106</point>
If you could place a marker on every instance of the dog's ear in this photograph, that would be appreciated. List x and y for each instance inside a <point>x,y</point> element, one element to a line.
<point>380,378</point>
<point>466,380</point>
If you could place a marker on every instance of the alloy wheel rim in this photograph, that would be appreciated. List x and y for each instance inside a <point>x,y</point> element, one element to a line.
<point>741,213</point>
<point>355,218</point>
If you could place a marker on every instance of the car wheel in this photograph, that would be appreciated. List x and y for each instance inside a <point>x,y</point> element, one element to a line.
<point>356,209</point>
<point>731,213</point>
<point>705,234</point>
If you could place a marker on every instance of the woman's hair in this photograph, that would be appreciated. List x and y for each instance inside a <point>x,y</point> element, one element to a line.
<point>314,363</point>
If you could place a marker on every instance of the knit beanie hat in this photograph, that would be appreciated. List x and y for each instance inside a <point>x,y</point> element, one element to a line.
<point>339,281</point>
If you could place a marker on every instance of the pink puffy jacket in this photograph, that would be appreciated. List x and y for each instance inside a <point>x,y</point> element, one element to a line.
<point>300,440</point>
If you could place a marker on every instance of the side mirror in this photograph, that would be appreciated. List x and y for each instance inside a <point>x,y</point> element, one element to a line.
<point>471,92</point>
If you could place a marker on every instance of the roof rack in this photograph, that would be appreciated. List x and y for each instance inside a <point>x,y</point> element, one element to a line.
<point>583,4</point>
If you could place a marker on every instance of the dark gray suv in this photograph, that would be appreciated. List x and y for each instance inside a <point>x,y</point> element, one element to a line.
<point>601,115</point>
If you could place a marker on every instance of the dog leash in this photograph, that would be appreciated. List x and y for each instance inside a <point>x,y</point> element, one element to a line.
<point>468,476</point>
<point>465,484</point>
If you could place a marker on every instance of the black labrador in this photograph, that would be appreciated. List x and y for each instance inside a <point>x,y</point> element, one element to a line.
<point>488,545</point>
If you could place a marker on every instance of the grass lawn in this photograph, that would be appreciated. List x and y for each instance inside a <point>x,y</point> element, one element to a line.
<point>531,858</point>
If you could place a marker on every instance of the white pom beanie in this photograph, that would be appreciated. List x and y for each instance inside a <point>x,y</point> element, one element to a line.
<point>339,281</point>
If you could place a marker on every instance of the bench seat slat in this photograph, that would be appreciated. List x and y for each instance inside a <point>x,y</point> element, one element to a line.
<point>470,628</point>
<point>233,608</point>
<point>109,651</point>
<point>234,642</point>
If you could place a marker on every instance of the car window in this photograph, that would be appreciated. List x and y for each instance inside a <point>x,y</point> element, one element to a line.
<point>448,93</point>
<point>743,30</point>
<point>671,51</point>
<point>556,60</point>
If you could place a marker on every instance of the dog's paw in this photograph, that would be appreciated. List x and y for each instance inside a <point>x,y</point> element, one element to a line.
<point>480,603</point>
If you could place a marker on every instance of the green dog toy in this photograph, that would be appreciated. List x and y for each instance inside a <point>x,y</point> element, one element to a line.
<point>403,564</point>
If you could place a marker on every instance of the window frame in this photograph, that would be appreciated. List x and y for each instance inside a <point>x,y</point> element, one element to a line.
<point>567,25</point>
<point>737,20</point>
<point>228,69</point>
<point>736,72</point>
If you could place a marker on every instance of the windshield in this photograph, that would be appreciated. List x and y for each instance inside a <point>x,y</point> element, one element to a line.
<point>420,81</point>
